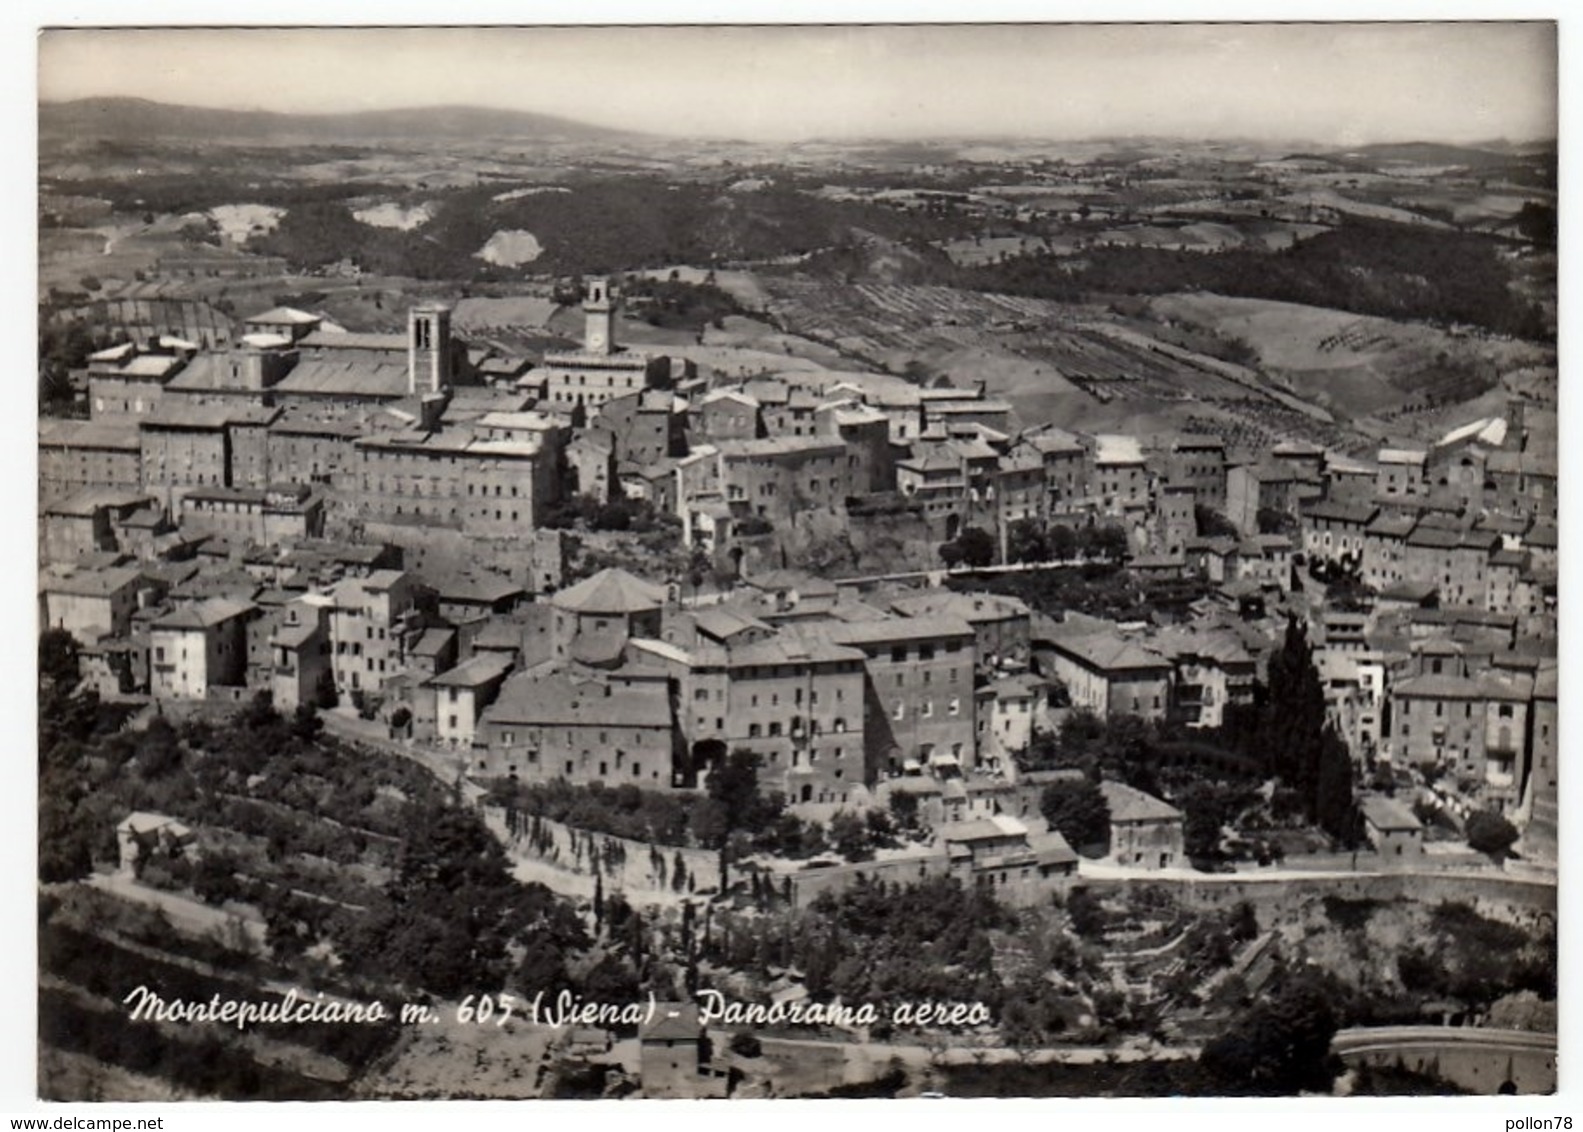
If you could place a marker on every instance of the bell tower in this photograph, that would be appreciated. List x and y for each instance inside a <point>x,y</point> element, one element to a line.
<point>428,348</point>
<point>599,310</point>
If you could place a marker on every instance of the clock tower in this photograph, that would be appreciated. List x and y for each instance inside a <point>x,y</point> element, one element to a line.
<point>600,313</point>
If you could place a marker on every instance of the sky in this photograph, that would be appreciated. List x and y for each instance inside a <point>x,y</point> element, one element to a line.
<point>1336,83</point>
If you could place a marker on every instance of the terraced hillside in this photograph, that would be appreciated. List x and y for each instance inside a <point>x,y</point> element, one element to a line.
<point>1072,364</point>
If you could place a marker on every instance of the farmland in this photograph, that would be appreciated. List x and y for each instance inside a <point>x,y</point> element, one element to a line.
<point>1243,290</point>
<point>140,319</point>
<point>1052,361</point>
<point>1365,365</point>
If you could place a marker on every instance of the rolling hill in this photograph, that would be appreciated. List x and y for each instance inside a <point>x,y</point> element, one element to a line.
<point>1431,153</point>
<point>128,119</point>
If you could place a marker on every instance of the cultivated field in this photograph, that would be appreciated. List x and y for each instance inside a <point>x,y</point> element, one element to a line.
<point>1353,363</point>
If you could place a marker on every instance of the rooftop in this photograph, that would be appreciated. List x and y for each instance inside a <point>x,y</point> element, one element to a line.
<point>283,316</point>
<point>204,614</point>
<point>1387,813</point>
<point>932,627</point>
<point>1105,651</point>
<point>541,700</point>
<point>1117,448</point>
<point>88,434</point>
<point>1415,456</point>
<point>1128,804</point>
<point>1335,511</point>
<point>476,672</point>
<point>346,340</point>
<point>970,607</point>
<point>612,590</point>
<point>777,446</point>
<point>90,583</point>
<point>346,377</point>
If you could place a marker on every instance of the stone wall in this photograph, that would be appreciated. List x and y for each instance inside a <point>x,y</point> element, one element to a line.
<point>1522,903</point>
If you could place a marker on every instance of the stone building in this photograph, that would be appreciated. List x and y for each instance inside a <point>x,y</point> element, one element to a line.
<point>1145,832</point>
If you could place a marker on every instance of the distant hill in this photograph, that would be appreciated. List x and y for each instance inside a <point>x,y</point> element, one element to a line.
<point>1433,153</point>
<point>128,119</point>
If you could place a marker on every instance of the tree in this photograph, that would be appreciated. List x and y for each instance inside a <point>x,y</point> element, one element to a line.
<point>1107,542</point>
<point>973,547</point>
<point>1203,815</point>
<point>55,392</point>
<point>1335,806</point>
<point>1061,542</point>
<point>1488,832</point>
<point>214,878</point>
<point>1025,542</point>
<point>1078,811</point>
<point>1537,222</point>
<point>57,660</point>
<point>1273,521</point>
<point>158,749</point>
<point>734,784</point>
<point>305,722</point>
<point>1213,524</point>
<point>850,835</point>
<point>1294,720</point>
<point>904,809</point>
<point>1280,1046</point>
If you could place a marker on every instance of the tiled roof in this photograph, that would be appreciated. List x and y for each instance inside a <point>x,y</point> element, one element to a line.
<point>860,633</point>
<point>557,699</point>
<point>91,583</point>
<point>204,614</point>
<point>611,590</point>
<point>346,377</point>
<point>1387,813</point>
<point>475,672</point>
<point>1129,805</point>
<point>283,316</point>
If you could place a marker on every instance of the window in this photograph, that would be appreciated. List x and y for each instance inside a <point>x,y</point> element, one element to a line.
<point>928,709</point>
<point>901,712</point>
<point>754,731</point>
<point>898,655</point>
<point>956,706</point>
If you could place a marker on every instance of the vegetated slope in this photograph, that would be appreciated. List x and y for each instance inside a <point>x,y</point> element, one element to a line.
<point>605,224</point>
<point>1365,266</point>
<point>1350,362</point>
<point>1431,153</point>
<point>134,118</point>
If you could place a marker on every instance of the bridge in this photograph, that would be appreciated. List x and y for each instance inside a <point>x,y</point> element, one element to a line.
<point>1475,1058</point>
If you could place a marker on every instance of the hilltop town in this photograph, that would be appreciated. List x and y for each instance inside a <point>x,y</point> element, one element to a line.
<point>338,518</point>
<point>881,620</point>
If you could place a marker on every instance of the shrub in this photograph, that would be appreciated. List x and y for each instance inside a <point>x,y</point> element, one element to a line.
<point>1488,832</point>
